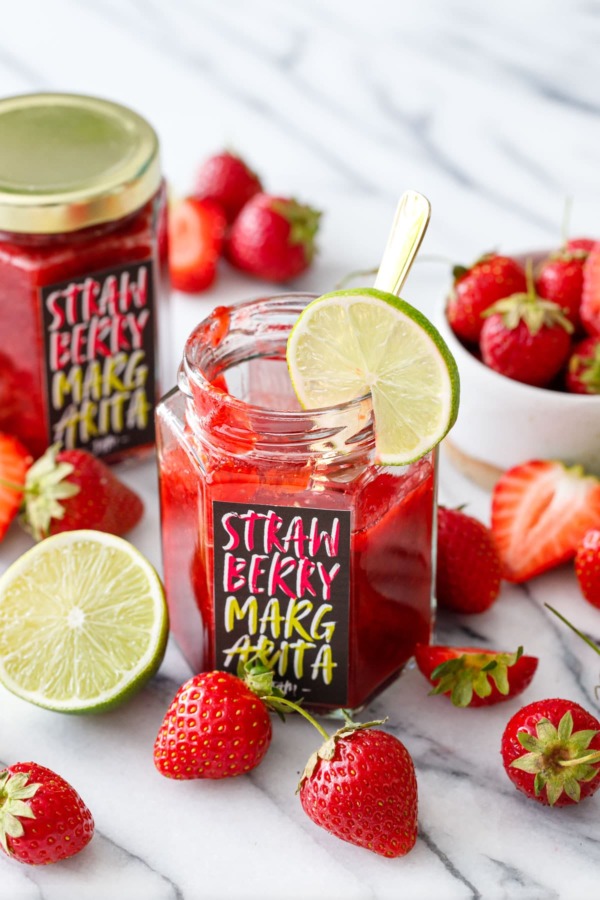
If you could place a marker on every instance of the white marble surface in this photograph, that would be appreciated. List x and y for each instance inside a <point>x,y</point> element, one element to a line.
<point>491,110</point>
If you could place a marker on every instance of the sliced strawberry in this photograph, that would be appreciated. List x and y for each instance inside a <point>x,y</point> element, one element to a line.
<point>540,513</point>
<point>590,299</point>
<point>196,235</point>
<point>15,460</point>
<point>473,676</point>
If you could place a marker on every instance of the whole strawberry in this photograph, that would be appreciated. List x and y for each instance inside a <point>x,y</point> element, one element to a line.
<point>273,238</point>
<point>15,460</point>
<point>541,511</point>
<point>526,338</point>
<point>361,787</point>
<point>474,676</point>
<point>475,289</point>
<point>42,818</point>
<point>587,566</point>
<point>217,726</point>
<point>585,244</point>
<point>468,565</point>
<point>590,298</point>
<point>227,180</point>
<point>551,752</point>
<point>583,367</point>
<point>66,490</point>
<point>560,279</point>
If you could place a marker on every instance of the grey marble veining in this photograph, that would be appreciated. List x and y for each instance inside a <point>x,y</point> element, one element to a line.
<point>491,110</point>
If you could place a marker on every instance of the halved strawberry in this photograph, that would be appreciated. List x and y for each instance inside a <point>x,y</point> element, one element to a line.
<point>540,512</point>
<point>474,676</point>
<point>196,234</point>
<point>15,460</point>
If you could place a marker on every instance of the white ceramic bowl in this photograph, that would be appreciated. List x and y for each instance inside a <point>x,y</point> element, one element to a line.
<point>502,422</point>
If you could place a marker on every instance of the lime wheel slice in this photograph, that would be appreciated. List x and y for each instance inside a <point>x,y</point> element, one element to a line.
<point>351,343</point>
<point>83,622</point>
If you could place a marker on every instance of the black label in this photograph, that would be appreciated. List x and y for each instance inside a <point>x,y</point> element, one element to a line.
<point>282,585</point>
<point>99,334</point>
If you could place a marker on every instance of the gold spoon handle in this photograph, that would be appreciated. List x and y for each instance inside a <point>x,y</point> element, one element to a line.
<point>409,226</point>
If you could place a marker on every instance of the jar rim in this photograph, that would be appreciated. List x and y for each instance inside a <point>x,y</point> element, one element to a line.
<point>287,302</point>
<point>70,161</point>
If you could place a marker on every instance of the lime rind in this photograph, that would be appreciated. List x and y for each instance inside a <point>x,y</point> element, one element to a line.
<point>350,343</point>
<point>83,622</point>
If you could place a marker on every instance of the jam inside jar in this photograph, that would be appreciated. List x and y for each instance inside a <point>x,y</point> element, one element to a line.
<point>281,537</point>
<point>83,275</point>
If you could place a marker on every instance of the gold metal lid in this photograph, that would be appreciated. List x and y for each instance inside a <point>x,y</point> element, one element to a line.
<point>68,161</point>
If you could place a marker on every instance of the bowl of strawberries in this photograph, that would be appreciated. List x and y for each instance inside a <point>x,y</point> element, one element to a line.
<point>525,333</point>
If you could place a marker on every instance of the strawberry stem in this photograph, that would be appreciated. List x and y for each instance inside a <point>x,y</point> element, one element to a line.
<point>572,627</point>
<point>593,757</point>
<point>566,220</point>
<point>296,708</point>
<point>530,280</point>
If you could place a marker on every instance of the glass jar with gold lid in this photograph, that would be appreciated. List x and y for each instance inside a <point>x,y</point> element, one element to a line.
<point>83,274</point>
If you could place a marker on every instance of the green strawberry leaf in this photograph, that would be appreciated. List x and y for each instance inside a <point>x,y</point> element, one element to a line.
<point>470,673</point>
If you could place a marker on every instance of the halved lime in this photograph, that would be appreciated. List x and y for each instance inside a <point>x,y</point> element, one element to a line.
<point>350,343</point>
<point>83,622</point>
